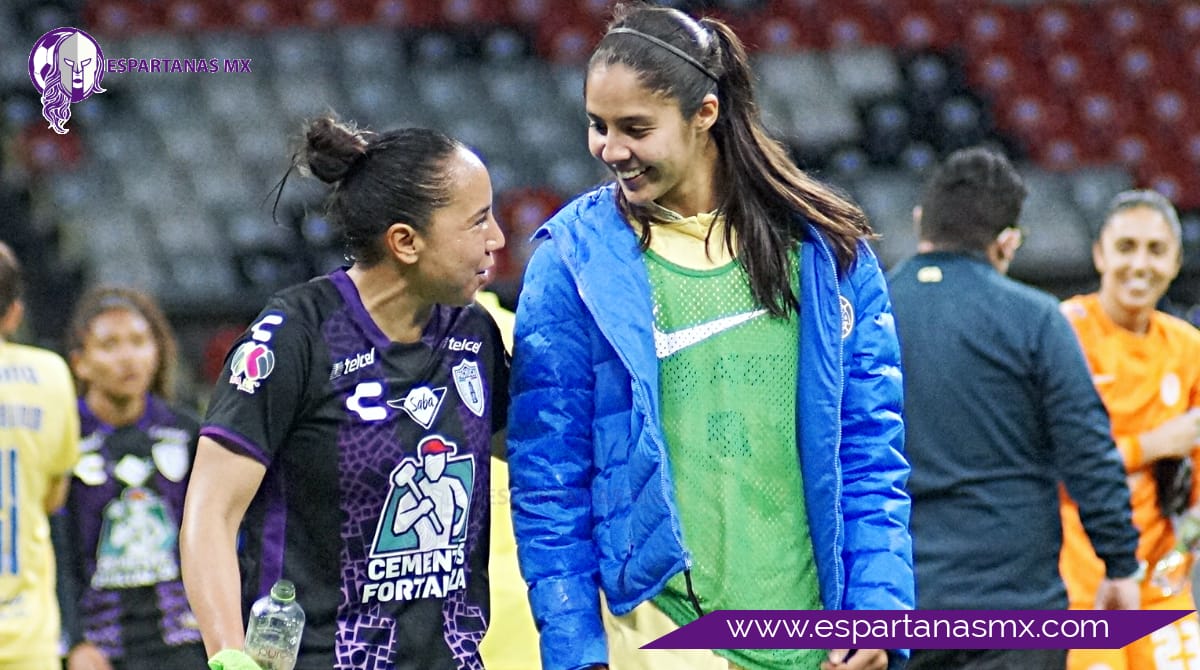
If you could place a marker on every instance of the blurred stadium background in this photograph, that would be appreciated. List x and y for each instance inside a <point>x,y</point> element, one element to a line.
<point>164,180</point>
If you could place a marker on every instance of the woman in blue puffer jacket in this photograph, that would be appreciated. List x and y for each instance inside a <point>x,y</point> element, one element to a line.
<point>706,406</point>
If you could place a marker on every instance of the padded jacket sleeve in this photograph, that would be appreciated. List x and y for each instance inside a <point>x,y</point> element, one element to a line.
<point>875,502</point>
<point>551,464</point>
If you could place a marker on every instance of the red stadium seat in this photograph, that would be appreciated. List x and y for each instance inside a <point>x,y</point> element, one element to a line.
<point>1186,21</point>
<point>570,42</point>
<point>779,33</point>
<point>849,26</point>
<point>1034,120</point>
<point>1059,153</point>
<point>1126,22</point>
<point>405,13</point>
<point>474,12</point>
<point>1002,74</point>
<point>1059,26</point>
<point>1169,112</point>
<point>995,27</point>
<point>1070,71</point>
<point>119,18</point>
<point>924,28</point>
<point>261,15</point>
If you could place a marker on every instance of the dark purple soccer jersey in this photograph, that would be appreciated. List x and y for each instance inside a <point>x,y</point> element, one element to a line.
<point>375,500</point>
<point>123,515</point>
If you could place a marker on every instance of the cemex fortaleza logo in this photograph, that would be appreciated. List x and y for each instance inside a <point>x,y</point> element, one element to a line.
<point>67,65</point>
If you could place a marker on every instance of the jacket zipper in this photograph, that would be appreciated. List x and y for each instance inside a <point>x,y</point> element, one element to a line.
<point>837,447</point>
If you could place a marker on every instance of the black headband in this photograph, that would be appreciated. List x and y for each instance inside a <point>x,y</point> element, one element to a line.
<point>669,47</point>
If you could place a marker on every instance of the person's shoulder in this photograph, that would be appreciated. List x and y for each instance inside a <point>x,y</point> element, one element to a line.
<point>43,360</point>
<point>596,205</point>
<point>1032,296</point>
<point>1177,328</point>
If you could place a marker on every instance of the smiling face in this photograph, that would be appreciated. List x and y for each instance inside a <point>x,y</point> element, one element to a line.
<point>1137,256</point>
<point>458,243</point>
<point>656,154</point>
<point>118,357</point>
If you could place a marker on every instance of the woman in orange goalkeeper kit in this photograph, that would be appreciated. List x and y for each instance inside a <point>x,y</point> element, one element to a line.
<point>1146,366</point>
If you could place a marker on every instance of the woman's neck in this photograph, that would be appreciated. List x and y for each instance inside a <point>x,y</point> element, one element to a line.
<point>115,411</point>
<point>391,302</point>
<point>1136,320</point>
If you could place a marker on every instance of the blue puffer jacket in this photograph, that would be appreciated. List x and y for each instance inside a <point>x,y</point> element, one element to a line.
<point>593,500</point>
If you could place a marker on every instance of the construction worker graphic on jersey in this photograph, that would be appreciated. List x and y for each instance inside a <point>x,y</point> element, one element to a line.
<point>434,505</point>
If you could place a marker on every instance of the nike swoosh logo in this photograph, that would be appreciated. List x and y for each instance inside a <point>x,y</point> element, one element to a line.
<point>666,344</point>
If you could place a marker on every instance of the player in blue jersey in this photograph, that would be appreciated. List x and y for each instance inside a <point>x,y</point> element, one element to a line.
<point>351,432</point>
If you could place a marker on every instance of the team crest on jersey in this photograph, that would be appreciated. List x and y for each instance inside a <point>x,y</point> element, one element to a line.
<point>469,382</point>
<point>251,363</point>
<point>137,542</point>
<point>422,404</point>
<point>419,546</point>
<point>847,316</point>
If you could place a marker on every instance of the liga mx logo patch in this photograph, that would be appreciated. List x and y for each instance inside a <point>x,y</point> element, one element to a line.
<point>250,364</point>
<point>66,66</point>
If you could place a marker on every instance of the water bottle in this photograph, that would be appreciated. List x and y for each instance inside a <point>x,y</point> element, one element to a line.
<point>1172,572</point>
<point>276,624</point>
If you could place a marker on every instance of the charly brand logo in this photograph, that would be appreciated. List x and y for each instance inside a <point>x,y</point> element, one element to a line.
<point>66,66</point>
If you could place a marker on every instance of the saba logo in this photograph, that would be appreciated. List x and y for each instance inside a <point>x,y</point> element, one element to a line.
<point>66,66</point>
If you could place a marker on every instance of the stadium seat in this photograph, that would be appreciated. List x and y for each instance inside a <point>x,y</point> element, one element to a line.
<point>888,130</point>
<point>1092,188</point>
<point>888,198</point>
<point>1058,243</point>
<point>1001,74</point>
<point>866,73</point>
<point>1059,26</point>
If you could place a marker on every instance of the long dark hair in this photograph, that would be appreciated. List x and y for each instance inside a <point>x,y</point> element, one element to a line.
<point>764,196</point>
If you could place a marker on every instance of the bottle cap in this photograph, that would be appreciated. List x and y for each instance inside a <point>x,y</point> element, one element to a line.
<point>283,591</point>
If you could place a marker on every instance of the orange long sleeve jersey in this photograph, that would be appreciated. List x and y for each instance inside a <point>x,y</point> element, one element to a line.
<point>1144,380</point>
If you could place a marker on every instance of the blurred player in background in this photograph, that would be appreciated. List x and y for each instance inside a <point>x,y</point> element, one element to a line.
<point>39,444</point>
<point>126,498</point>
<point>1146,366</point>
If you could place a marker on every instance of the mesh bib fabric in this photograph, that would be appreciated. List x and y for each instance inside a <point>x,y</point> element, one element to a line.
<point>728,374</point>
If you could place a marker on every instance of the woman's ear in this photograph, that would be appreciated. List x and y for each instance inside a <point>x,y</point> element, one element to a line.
<point>403,243</point>
<point>707,115</point>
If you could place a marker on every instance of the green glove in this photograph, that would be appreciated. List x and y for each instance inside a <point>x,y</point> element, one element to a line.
<point>232,659</point>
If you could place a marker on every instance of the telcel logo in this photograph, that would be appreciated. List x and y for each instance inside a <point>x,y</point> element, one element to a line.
<point>358,361</point>
<point>464,344</point>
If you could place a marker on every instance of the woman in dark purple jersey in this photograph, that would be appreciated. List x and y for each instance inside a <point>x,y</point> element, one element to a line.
<point>350,434</point>
<point>127,609</point>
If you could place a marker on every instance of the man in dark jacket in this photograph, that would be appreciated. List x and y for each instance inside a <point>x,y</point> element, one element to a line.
<point>1000,408</point>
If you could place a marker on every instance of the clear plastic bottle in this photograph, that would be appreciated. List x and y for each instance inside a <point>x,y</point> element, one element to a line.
<point>1172,572</point>
<point>276,624</point>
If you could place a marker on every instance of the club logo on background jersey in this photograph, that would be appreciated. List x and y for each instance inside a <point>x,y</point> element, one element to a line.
<point>137,542</point>
<point>469,383</point>
<point>422,404</point>
<point>419,546</point>
<point>1170,389</point>
<point>251,363</point>
<point>847,316</point>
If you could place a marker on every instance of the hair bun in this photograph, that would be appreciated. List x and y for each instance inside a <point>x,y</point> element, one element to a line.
<point>331,148</point>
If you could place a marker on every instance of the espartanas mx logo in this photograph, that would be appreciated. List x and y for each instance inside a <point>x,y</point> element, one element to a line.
<point>66,66</point>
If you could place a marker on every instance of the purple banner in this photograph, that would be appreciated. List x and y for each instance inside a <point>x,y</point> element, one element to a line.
<point>922,629</point>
